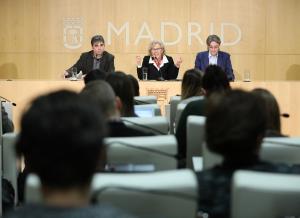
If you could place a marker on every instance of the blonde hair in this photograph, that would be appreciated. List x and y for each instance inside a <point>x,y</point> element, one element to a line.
<point>155,42</point>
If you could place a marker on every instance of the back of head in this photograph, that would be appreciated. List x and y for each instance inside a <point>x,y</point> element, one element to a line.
<point>215,80</point>
<point>235,124</point>
<point>103,95</point>
<point>122,87</point>
<point>191,83</point>
<point>272,109</point>
<point>61,139</point>
<point>94,75</point>
<point>135,85</point>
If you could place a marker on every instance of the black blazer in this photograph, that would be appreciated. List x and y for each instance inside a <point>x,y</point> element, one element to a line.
<point>168,71</point>
<point>86,62</point>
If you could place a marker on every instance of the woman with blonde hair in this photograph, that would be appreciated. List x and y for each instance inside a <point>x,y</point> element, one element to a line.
<point>158,65</point>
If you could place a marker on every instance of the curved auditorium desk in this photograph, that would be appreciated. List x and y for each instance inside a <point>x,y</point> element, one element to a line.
<point>22,91</point>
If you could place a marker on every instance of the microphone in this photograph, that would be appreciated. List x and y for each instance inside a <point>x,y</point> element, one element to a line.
<point>145,127</point>
<point>5,99</point>
<point>285,115</point>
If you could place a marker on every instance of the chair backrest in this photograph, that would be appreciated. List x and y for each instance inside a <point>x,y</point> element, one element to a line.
<point>158,125</point>
<point>195,138</point>
<point>9,160</point>
<point>281,150</point>
<point>210,159</point>
<point>150,99</point>
<point>182,104</point>
<point>33,189</point>
<point>267,195</point>
<point>147,110</point>
<point>157,150</point>
<point>174,101</point>
<point>168,194</point>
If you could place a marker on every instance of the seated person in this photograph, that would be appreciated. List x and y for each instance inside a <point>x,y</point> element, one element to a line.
<point>159,66</point>
<point>94,75</point>
<point>97,58</point>
<point>135,85</point>
<point>235,126</point>
<point>273,112</point>
<point>61,141</point>
<point>191,84</point>
<point>123,88</point>
<point>214,80</point>
<point>103,95</point>
<point>7,124</point>
<point>213,56</point>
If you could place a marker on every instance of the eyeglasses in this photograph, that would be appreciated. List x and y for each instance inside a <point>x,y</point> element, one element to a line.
<point>156,49</point>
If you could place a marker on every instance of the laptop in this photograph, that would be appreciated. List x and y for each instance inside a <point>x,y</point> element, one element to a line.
<point>144,111</point>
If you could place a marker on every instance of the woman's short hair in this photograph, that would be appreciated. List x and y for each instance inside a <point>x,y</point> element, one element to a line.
<point>156,42</point>
<point>191,83</point>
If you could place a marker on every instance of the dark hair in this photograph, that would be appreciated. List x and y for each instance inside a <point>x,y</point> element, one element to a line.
<point>61,139</point>
<point>215,80</point>
<point>272,109</point>
<point>135,85</point>
<point>191,83</point>
<point>102,94</point>
<point>122,87</point>
<point>235,124</point>
<point>97,38</point>
<point>95,75</point>
<point>213,38</point>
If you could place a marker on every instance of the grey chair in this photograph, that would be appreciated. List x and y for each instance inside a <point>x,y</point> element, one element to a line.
<point>281,150</point>
<point>265,195</point>
<point>182,104</point>
<point>150,99</point>
<point>158,125</point>
<point>210,159</point>
<point>9,160</point>
<point>160,151</point>
<point>168,194</point>
<point>195,138</point>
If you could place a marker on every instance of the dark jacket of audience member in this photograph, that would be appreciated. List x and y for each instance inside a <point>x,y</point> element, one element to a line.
<point>214,80</point>
<point>235,126</point>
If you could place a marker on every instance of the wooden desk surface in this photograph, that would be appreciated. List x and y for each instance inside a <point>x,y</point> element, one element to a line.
<point>286,92</point>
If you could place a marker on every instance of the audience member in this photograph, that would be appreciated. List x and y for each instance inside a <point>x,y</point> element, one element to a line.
<point>214,80</point>
<point>191,84</point>
<point>273,112</point>
<point>7,124</point>
<point>94,75</point>
<point>61,141</point>
<point>102,94</point>
<point>135,85</point>
<point>235,126</point>
<point>122,87</point>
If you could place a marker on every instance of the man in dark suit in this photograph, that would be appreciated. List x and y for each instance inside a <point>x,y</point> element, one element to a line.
<point>97,58</point>
<point>214,56</point>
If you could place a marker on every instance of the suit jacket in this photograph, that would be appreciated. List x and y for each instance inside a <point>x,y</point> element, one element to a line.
<point>86,62</point>
<point>224,62</point>
<point>168,71</point>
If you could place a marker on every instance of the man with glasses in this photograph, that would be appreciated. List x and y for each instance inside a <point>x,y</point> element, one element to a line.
<point>96,59</point>
<point>213,56</point>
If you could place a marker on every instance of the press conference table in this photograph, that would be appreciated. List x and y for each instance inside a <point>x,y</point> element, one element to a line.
<point>22,92</point>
